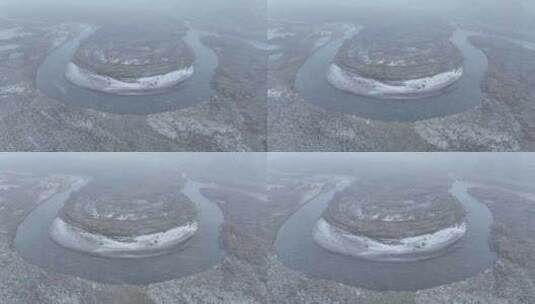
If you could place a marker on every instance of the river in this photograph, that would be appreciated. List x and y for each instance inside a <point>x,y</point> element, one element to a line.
<point>199,253</point>
<point>465,94</point>
<point>52,82</point>
<point>467,257</point>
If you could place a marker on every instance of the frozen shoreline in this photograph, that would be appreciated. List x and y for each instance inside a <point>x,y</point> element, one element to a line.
<point>141,246</point>
<point>407,249</point>
<point>146,85</point>
<point>413,88</point>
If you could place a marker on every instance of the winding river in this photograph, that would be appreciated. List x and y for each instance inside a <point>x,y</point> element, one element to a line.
<point>201,252</point>
<point>52,82</point>
<point>465,94</point>
<point>466,258</point>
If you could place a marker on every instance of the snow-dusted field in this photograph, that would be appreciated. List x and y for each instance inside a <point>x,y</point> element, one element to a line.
<point>278,32</point>
<point>140,246</point>
<point>412,248</point>
<point>12,33</point>
<point>86,79</point>
<point>354,83</point>
<point>14,89</point>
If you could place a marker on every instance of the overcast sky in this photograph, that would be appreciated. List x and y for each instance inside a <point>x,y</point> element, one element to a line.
<point>253,166</point>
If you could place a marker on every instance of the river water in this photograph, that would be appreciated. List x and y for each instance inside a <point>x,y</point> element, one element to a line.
<point>469,256</point>
<point>201,252</point>
<point>52,82</point>
<point>465,94</point>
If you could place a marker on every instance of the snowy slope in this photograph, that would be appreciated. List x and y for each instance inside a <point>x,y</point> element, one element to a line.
<point>340,241</point>
<point>86,79</point>
<point>354,83</point>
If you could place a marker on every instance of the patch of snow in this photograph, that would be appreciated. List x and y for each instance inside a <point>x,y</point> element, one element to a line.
<point>322,41</point>
<point>276,93</point>
<point>127,217</point>
<point>281,93</point>
<point>354,83</point>
<point>396,218</point>
<point>311,190</point>
<point>278,32</point>
<point>134,61</point>
<point>271,187</point>
<point>400,62</point>
<point>13,89</point>
<point>89,80</point>
<point>339,241</point>
<point>12,33</point>
<point>59,41</point>
<point>74,238</point>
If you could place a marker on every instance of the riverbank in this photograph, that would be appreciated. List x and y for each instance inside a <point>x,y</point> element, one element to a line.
<point>398,59</point>
<point>456,121</point>
<point>107,259</point>
<point>426,92</point>
<point>140,246</point>
<point>192,117</point>
<point>442,259</point>
<point>140,86</point>
<point>129,58</point>
<point>402,250</point>
<point>407,89</point>
<point>238,281</point>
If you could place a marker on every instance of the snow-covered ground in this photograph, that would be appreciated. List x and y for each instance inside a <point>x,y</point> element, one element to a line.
<point>278,32</point>
<point>413,248</point>
<point>14,89</point>
<point>279,92</point>
<point>354,83</point>
<point>86,79</point>
<point>140,246</point>
<point>12,33</point>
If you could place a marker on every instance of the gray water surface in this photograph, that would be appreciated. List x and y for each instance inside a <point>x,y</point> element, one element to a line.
<point>469,256</point>
<point>463,95</point>
<point>52,82</point>
<point>201,252</point>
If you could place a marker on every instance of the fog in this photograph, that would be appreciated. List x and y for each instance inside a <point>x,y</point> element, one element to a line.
<point>503,6</point>
<point>236,13</point>
<point>253,14</point>
<point>228,166</point>
<point>514,166</point>
<point>517,14</point>
<point>255,166</point>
